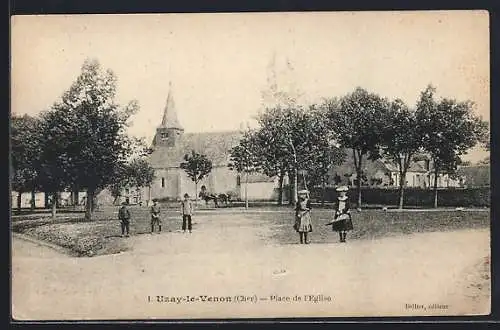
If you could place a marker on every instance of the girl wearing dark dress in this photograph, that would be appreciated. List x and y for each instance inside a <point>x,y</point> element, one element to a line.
<point>303,223</point>
<point>342,221</point>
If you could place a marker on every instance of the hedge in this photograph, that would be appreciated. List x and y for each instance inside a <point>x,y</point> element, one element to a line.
<point>468,197</point>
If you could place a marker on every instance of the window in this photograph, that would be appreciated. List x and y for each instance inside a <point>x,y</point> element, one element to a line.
<point>238,180</point>
<point>164,136</point>
<point>163,182</point>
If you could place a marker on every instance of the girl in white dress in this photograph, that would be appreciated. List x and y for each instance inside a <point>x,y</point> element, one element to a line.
<point>303,223</point>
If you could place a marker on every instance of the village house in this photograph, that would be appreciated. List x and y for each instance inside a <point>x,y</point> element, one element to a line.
<point>384,173</point>
<point>478,175</point>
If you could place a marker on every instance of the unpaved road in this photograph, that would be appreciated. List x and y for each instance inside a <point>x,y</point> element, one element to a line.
<point>228,256</point>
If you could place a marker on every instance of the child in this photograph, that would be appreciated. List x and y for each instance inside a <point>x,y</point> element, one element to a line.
<point>124,217</point>
<point>303,223</point>
<point>187,212</point>
<point>155,216</point>
<point>342,222</point>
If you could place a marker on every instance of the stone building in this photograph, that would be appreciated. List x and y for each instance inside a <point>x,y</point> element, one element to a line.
<point>171,143</point>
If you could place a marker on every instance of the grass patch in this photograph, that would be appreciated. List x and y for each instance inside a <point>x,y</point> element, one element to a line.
<point>373,224</point>
<point>100,236</point>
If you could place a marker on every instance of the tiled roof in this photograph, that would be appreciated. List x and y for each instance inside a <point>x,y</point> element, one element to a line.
<point>414,167</point>
<point>215,145</point>
<point>370,167</point>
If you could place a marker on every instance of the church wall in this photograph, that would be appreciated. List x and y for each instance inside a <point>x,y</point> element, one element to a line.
<point>170,183</point>
<point>259,191</point>
<point>220,180</point>
<point>224,180</point>
<point>187,185</point>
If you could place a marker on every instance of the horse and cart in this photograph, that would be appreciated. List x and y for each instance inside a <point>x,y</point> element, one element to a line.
<point>218,199</point>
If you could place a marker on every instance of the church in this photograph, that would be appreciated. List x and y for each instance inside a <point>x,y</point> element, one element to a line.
<point>171,143</point>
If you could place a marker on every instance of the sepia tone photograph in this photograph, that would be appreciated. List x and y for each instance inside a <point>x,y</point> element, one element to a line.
<point>250,165</point>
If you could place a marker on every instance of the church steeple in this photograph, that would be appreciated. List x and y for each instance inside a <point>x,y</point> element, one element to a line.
<point>170,129</point>
<point>170,113</point>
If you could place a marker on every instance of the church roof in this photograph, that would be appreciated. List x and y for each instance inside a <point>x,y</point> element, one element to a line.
<point>169,119</point>
<point>215,145</point>
<point>258,177</point>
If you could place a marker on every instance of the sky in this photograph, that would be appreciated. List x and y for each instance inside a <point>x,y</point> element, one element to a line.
<point>218,63</point>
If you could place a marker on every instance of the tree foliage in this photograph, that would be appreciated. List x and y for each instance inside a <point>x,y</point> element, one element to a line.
<point>449,129</point>
<point>244,157</point>
<point>25,155</point>
<point>358,119</point>
<point>85,133</point>
<point>24,152</point>
<point>402,140</point>
<point>290,140</point>
<point>137,173</point>
<point>196,166</point>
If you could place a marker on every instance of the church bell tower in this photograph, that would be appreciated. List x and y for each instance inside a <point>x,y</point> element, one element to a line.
<point>169,132</point>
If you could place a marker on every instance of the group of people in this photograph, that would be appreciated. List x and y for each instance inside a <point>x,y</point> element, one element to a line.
<point>341,222</point>
<point>187,210</point>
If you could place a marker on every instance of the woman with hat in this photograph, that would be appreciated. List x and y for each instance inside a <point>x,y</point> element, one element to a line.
<point>342,221</point>
<point>303,223</point>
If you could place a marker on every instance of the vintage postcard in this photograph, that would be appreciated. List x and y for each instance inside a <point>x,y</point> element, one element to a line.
<point>250,165</point>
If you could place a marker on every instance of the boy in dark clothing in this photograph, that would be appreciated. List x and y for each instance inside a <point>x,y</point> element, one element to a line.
<point>187,212</point>
<point>155,216</point>
<point>124,217</point>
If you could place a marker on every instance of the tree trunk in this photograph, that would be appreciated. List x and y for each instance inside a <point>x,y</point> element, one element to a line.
<point>19,201</point>
<point>46,199</point>
<point>358,188</point>
<point>89,205</point>
<point>280,188</point>
<point>295,196</point>
<point>435,188</point>
<point>323,194</point>
<point>94,201</point>
<point>196,191</point>
<point>32,199</point>
<point>246,190</point>
<point>54,205</point>
<point>358,164</point>
<point>402,178</point>
<point>75,196</point>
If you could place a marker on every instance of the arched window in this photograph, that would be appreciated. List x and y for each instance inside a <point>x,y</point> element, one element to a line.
<point>163,182</point>
<point>238,180</point>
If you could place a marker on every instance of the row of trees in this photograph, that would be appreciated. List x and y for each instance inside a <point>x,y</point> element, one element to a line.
<point>295,140</point>
<point>79,144</point>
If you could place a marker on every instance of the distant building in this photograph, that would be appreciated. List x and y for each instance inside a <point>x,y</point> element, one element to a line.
<point>384,173</point>
<point>171,143</point>
<point>476,175</point>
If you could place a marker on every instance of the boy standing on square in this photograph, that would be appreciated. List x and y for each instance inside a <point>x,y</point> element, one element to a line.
<point>124,217</point>
<point>155,216</point>
<point>187,212</point>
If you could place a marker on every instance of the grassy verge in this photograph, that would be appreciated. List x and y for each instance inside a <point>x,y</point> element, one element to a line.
<point>372,224</point>
<point>100,236</point>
